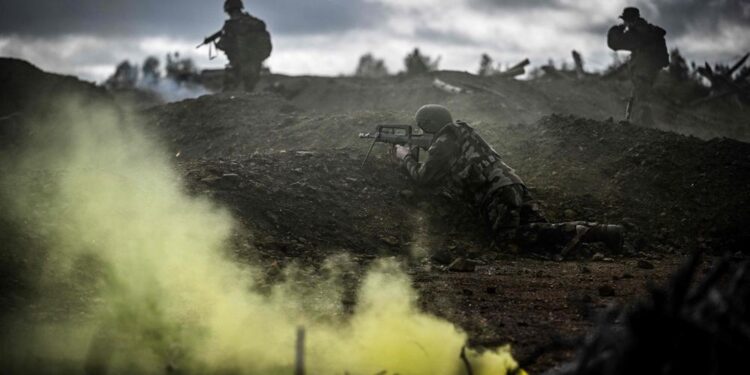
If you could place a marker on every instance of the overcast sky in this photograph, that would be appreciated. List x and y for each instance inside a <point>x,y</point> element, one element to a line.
<point>326,37</point>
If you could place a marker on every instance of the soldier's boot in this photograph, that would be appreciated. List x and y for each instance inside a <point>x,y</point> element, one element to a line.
<point>581,231</point>
<point>609,234</point>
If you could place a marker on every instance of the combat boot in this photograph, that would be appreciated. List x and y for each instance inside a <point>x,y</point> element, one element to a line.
<point>609,234</point>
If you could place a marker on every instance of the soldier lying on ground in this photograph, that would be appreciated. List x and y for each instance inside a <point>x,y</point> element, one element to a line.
<point>466,167</point>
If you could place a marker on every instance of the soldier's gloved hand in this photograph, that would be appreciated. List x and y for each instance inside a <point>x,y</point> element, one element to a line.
<point>401,151</point>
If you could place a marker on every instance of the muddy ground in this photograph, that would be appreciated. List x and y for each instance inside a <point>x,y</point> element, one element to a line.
<point>286,161</point>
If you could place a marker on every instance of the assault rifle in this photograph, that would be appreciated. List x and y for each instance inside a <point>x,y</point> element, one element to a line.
<point>211,39</point>
<point>395,134</point>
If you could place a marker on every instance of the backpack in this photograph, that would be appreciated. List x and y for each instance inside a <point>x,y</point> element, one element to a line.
<point>253,32</point>
<point>657,49</point>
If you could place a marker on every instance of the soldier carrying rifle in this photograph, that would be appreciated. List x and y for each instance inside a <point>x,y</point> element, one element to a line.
<point>246,42</point>
<point>648,56</point>
<point>461,163</point>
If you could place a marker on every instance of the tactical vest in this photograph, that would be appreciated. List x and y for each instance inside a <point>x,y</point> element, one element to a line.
<point>477,170</point>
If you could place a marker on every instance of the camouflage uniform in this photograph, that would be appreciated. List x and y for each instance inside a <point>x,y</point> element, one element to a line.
<point>247,44</point>
<point>648,55</point>
<point>464,164</point>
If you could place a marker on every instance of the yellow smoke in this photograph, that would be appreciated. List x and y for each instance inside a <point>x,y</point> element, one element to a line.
<point>144,268</point>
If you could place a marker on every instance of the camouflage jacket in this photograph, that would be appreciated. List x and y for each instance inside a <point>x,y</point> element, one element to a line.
<point>645,42</point>
<point>461,161</point>
<point>245,38</point>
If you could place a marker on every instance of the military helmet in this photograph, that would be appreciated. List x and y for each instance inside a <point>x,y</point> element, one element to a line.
<point>432,117</point>
<point>232,5</point>
<point>630,14</point>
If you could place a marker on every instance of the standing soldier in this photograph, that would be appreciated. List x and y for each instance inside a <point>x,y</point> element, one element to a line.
<point>648,56</point>
<point>247,44</point>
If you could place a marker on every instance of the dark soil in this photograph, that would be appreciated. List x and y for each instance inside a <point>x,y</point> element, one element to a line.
<point>303,207</point>
<point>287,163</point>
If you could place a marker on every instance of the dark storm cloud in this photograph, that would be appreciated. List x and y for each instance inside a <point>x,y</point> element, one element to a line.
<point>189,18</point>
<point>305,16</point>
<point>515,4</point>
<point>48,18</point>
<point>680,17</point>
<point>436,34</point>
<point>687,18</point>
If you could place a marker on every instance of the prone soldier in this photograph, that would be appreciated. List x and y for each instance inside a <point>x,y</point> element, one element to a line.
<point>462,163</point>
<point>648,56</point>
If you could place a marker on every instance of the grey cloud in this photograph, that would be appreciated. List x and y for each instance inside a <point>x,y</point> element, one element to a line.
<point>187,18</point>
<point>322,16</point>
<point>678,17</point>
<point>33,26</point>
<point>683,16</point>
<point>435,34</point>
<point>105,18</point>
<point>515,4</point>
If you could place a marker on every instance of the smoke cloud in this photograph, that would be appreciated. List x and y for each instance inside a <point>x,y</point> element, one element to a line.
<point>137,276</point>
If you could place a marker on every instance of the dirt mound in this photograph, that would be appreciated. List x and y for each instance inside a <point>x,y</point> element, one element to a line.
<point>236,125</point>
<point>28,92</point>
<point>305,206</point>
<point>310,205</point>
<point>672,191</point>
<point>680,191</point>
<point>24,87</point>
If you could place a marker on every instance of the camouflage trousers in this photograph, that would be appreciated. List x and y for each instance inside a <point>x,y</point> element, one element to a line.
<point>509,207</point>
<point>515,218</point>
<point>242,76</point>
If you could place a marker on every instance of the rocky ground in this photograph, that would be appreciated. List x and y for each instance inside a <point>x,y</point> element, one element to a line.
<point>286,161</point>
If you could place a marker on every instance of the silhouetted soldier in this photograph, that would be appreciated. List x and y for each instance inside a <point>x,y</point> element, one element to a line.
<point>247,44</point>
<point>648,56</point>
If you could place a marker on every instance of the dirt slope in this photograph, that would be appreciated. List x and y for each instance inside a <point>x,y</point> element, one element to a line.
<point>678,191</point>
<point>287,164</point>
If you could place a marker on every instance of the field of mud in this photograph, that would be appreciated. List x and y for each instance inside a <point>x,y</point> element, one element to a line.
<point>287,163</point>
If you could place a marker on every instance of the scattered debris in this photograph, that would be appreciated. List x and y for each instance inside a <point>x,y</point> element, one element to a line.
<point>515,70</point>
<point>462,265</point>
<point>725,83</point>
